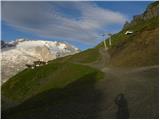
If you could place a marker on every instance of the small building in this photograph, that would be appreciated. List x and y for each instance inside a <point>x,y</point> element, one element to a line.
<point>128,32</point>
<point>39,63</point>
<point>36,64</point>
<point>32,66</point>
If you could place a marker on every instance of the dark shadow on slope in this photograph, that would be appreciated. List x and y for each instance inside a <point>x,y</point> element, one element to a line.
<point>79,99</point>
<point>122,105</point>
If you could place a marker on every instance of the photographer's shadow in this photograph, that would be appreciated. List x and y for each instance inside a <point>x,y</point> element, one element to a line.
<point>122,104</point>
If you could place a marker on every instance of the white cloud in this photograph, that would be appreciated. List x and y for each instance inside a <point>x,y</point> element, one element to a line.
<point>44,19</point>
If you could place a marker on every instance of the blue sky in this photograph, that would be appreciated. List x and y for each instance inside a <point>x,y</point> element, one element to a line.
<point>78,23</point>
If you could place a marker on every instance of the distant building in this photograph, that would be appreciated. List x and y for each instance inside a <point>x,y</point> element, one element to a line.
<point>39,63</point>
<point>128,32</point>
<point>36,64</point>
<point>32,66</point>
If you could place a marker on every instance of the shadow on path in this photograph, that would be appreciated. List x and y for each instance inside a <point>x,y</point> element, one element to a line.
<point>122,104</point>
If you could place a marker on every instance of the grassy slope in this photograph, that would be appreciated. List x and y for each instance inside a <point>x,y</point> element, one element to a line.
<point>54,75</point>
<point>54,84</point>
<point>57,74</point>
<point>137,49</point>
<point>64,102</point>
<point>87,56</point>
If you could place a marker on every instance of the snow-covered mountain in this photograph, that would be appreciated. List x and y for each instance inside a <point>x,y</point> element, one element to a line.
<point>16,54</point>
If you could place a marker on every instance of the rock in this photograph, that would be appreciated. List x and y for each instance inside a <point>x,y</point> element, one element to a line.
<point>151,11</point>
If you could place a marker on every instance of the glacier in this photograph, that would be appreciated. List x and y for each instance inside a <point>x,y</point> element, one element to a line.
<point>16,54</point>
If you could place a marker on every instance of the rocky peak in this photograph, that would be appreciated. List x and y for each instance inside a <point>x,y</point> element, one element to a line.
<point>151,11</point>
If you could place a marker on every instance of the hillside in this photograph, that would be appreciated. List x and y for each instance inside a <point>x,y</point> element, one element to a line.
<point>86,84</point>
<point>140,48</point>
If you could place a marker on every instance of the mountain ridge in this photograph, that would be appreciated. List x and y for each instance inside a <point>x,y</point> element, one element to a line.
<point>16,54</point>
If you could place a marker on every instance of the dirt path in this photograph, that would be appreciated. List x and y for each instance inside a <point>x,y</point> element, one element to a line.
<point>139,85</point>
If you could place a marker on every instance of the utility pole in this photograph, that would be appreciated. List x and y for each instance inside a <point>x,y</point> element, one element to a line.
<point>105,46</point>
<point>104,41</point>
<point>110,40</point>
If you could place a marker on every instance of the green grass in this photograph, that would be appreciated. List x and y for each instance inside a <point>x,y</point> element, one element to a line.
<point>54,84</point>
<point>80,92</point>
<point>87,56</point>
<point>54,75</point>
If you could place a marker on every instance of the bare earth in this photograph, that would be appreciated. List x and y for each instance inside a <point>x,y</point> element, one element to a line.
<point>139,85</point>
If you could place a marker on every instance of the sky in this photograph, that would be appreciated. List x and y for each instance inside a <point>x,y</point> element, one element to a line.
<point>76,22</point>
